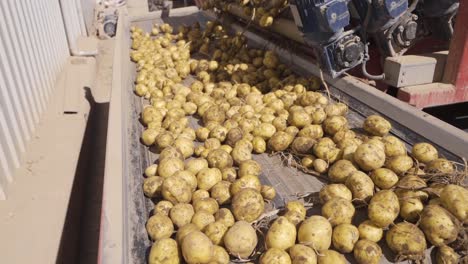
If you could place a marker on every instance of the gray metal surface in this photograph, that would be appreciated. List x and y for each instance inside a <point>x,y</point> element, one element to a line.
<point>124,239</point>
<point>33,50</point>
<point>409,70</point>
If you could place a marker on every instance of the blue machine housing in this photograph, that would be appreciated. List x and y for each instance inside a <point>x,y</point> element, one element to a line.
<point>323,24</point>
<point>384,12</point>
<point>322,17</point>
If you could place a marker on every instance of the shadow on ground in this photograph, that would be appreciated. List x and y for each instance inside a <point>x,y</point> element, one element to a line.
<point>80,236</point>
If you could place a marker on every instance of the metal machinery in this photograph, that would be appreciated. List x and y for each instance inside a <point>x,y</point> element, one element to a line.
<point>404,43</point>
<point>394,26</point>
<point>323,24</point>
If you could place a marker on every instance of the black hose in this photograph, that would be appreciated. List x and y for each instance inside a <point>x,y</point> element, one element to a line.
<point>366,49</point>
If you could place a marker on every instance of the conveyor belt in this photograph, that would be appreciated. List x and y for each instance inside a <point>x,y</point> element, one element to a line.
<point>133,244</point>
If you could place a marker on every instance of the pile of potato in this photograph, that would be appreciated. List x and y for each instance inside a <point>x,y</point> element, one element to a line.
<point>206,185</point>
<point>262,11</point>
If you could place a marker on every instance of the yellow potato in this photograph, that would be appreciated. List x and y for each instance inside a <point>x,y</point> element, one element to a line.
<point>455,199</point>
<point>281,234</point>
<point>197,248</point>
<point>338,211</point>
<point>164,251</point>
<point>315,232</point>
<point>275,256</point>
<point>383,208</point>
<point>369,231</point>
<point>367,252</point>
<point>247,205</point>
<point>344,237</point>
<point>240,240</point>
<point>159,226</point>
<point>301,254</point>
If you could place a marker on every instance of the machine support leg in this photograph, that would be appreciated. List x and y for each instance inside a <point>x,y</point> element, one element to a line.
<point>456,69</point>
<point>454,88</point>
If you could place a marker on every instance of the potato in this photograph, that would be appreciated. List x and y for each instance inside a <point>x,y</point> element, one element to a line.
<point>214,114</point>
<point>248,181</point>
<point>209,205</point>
<point>424,152</point>
<point>280,141</point>
<point>275,256</point>
<point>185,146</point>
<point>411,182</point>
<point>162,207</point>
<point>225,216</point>
<point>181,214</point>
<point>369,231</point>
<point>393,146</point>
<point>188,177</point>
<point>168,166</point>
<point>292,130</point>
<point>439,225</point>
<point>229,174</point>
<point>331,191</point>
<point>399,164</point>
<point>148,137</point>
<point>440,166</point>
<point>369,157</point>
<point>220,256</point>
<point>320,165</point>
<point>308,161</point>
<point>455,199</point>
<point>164,251</point>
<point>220,159</point>
<point>249,167</point>
<point>384,178</point>
<point>202,133</point>
<point>315,232</point>
<point>326,149</point>
<point>164,140</point>
<point>302,145</point>
<point>311,131</point>
<point>333,124</point>
<point>200,194</point>
<point>201,219</point>
<point>360,185</point>
<point>264,130</point>
<point>367,252</point>
<point>337,109</point>
<point>268,192</point>
<point>410,209</point>
<point>152,186</point>
<point>196,165</point>
<point>281,234</point>
<point>241,152</point>
<point>212,143</point>
<point>208,177</point>
<point>247,205</point>
<point>151,170</point>
<point>338,211</point>
<point>340,171</point>
<point>407,241</point>
<point>299,118</point>
<point>377,125</point>
<point>197,248</point>
<point>331,257</point>
<point>219,132</point>
<point>383,208</point>
<point>215,232</point>
<point>295,211</point>
<point>184,231</point>
<point>343,136</point>
<point>344,237</point>
<point>259,145</point>
<point>301,254</point>
<point>240,240</point>
<point>446,255</point>
<point>159,226</point>
<point>220,192</point>
<point>171,152</point>
<point>176,190</point>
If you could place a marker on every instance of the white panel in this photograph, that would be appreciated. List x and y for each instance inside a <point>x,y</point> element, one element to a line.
<point>33,51</point>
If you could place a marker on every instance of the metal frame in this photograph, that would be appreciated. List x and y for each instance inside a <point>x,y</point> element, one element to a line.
<point>114,220</point>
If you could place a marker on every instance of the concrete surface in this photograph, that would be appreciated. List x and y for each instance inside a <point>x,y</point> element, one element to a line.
<point>47,217</point>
